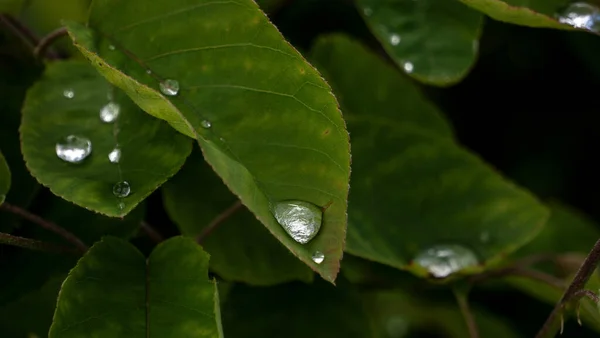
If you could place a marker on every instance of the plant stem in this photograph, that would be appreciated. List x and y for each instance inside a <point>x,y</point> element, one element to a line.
<point>151,232</point>
<point>46,225</point>
<point>573,291</point>
<point>218,220</point>
<point>33,244</point>
<point>465,309</point>
<point>47,40</point>
<point>24,34</point>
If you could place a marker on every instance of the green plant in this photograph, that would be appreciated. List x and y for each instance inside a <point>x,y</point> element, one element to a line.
<point>179,169</point>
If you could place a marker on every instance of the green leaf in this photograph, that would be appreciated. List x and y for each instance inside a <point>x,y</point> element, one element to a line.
<point>241,249</point>
<point>4,178</point>
<point>434,41</point>
<point>115,292</point>
<point>151,151</point>
<point>275,130</point>
<point>410,178</point>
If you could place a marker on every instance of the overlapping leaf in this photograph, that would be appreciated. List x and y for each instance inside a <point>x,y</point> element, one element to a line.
<point>241,248</point>
<point>433,41</point>
<point>413,186</point>
<point>115,292</point>
<point>4,178</point>
<point>265,119</point>
<point>68,101</point>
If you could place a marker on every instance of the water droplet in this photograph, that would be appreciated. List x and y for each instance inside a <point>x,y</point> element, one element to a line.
<point>110,112</point>
<point>394,39</point>
<point>69,93</point>
<point>408,67</point>
<point>121,205</point>
<point>206,124</point>
<point>148,71</point>
<point>318,257</point>
<point>115,155</point>
<point>368,11</point>
<point>301,220</point>
<point>111,47</point>
<point>73,149</point>
<point>169,87</point>
<point>122,189</point>
<point>581,15</point>
<point>443,260</point>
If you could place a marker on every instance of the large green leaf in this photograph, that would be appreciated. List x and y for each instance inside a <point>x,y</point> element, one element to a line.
<point>410,178</point>
<point>114,291</point>
<point>67,101</point>
<point>241,249</point>
<point>433,41</point>
<point>4,178</point>
<point>265,119</point>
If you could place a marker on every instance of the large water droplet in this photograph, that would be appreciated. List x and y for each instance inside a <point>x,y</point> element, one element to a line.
<point>301,220</point>
<point>394,39</point>
<point>122,189</point>
<point>581,15</point>
<point>318,257</point>
<point>206,124</point>
<point>69,93</point>
<point>110,112</point>
<point>169,87</point>
<point>73,149</point>
<point>443,260</point>
<point>115,155</point>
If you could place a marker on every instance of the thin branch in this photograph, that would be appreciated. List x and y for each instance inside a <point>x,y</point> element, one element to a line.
<point>48,40</point>
<point>465,309</point>
<point>218,220</point>
<point>46,225</point>
<point>19,30</point>
<point>151,232</point>
<point>33,244</point>
<point>573,291</point>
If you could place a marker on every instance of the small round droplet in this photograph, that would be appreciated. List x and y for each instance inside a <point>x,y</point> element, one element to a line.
<point>115,155</point>
<point>121,205</point>
<point>148,71</point>
<point>408,67</point>
<point>111,47</point>
<point>206,124</point>
<point>443,260</point>
<point>301,220</point>
<point>395,39</point>
<point>169,87</point>
<point>110,112</point>
<point>69,93</point>
<point>581,15</point>
<point>122,189</point>
<point>318,257</point>
<point>73,149</point>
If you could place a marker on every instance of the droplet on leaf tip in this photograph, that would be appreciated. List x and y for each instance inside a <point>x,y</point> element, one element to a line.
<point>300,219</point>
<point>318,257</point>
<point>581,15</point>
<point>121,189</point>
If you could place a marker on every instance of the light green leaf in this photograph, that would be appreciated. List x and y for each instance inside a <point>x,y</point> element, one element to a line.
<point>241,248</point>
<point>115,292</point>
<point>434,41</point>
<point>68,101</point>
<point>265,119</point>
<point>410,178</point>
<point>4,178</point>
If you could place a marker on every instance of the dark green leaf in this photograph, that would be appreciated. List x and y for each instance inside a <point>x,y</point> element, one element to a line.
<point>433,41</point>
<point>410,179</point>
<point>115,292</point>
<point>241,249</point>
<point>4,178</point>
<point>265,119</point>
<point>151,151</point>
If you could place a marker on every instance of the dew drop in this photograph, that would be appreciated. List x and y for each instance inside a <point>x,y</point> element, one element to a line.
<point>408,67</point>
<point>115,155</point>
<point>69,93</point>
<point>121,205</point>
<point>169,87</point>
<point>394,39</point>
<point>111,47</point>
<point>110,112</point>
<point>206,124</point>
<point>443,260</point>
<point>148,71</point>
<point>73,149</point>
<point>581,15</point>
<point>318,257</point>
<point>122,189</point>
<point>301,220</point>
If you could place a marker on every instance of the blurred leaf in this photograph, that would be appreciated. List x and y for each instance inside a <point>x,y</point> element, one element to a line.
<point>434,41</point>
<point>241,249</point>
<point>4,178</point>
<point>269,5</point>
<point>295,310</point>
<point>31,315</point>
<point>266,121</point>
<point>68,101</point>
<point>117,293</point>
<point>408,180</point>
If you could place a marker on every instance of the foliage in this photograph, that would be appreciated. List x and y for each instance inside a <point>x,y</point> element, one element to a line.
<point>159,158</point>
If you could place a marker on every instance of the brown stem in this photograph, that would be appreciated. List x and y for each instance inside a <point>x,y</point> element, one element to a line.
<point>151,232</point>
<point>586,269</point>
<point>46,225</point>
<point>33,244</point>
<point>47,40</point>
<point>465,309</point>
<point>218,220</point>
<point>24,34</point>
